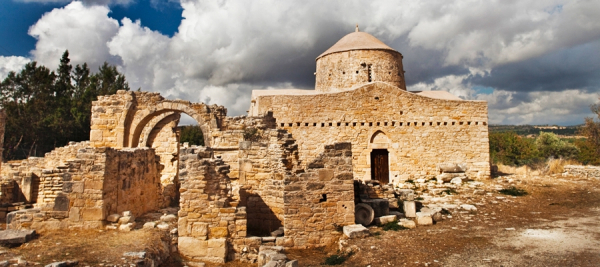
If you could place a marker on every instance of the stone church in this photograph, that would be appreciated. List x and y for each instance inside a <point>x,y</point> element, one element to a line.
<point>360,97</point>
<point>291,165</point>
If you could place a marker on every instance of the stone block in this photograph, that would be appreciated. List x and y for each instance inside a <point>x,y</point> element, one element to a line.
<point>127,227</point>
<point>424,219</point>
<point>126,219</point>
<point>199,230</point>
<point>149,225</point>
<point>191,247</point>
<point>355,231</point>
<point>92,214</point>
<point>96,136</point>
<point>410,209</point>
<point>325,174</point>
<point>217,232</point>
<point>113,218</point>
<point>386,219</point>
<point>406,223</point>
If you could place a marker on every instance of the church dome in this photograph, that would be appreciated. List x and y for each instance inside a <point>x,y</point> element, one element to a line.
<point>358,59</point>
<point>356,41</point>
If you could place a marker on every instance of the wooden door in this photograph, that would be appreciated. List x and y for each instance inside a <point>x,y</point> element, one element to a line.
<point>380,166</point>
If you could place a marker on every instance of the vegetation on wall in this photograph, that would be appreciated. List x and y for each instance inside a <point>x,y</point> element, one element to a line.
<point>46,109</point>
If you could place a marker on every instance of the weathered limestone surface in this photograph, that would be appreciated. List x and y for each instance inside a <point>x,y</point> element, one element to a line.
<point>206,217</point>
<point>345,70</point>
<point>583,171</point>
<point>419,132</point>
<point>320,198</point>
<point>97,182</point>
<point>119,120</point>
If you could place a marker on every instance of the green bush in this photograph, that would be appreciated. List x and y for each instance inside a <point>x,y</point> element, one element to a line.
<point>191,134</point>
<point>393,226</point>
<point>513,191</point>
<point>337,259</point>
<point>508,148</point>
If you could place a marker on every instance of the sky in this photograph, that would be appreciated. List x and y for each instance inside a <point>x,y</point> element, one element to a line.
<point>534,62</point>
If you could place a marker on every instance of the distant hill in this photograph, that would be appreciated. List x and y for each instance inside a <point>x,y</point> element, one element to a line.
<point>530,130</point>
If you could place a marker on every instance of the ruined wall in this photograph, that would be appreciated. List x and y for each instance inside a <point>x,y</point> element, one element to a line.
<point>320,199</point>
<point>164,138</point>
<point>419,132</point>
<point>131,181</point>
<point>207,219</point>
<point>264,163</point>
<point>119,120</point>
<point>341,71</point>
<point>82,191</point>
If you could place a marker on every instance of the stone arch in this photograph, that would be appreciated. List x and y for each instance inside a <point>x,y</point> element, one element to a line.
<point>199,112</point>
<point>155,125</point>
<point>379,138</point>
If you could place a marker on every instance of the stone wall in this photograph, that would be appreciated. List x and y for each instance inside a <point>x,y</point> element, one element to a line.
<point>582,171</point>
<point>342,71</point>
<point>320,198</point>
<point>119,120</point>
<point>97,182</point>
<point>419,132</point>
<point>263,165</point>
<point>207,218</point>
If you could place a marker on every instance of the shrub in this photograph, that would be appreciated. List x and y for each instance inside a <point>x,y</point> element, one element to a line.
<point>393,226</point>
<point>192,135</point>
<point>513,191</point>
<point>337,259</point>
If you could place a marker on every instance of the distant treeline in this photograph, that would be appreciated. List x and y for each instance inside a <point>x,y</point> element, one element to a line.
<point>47,109</point>
<point>509,144</point>
<point>526,130</point>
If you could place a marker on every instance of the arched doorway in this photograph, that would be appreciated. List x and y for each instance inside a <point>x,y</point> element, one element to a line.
<point>380,170</point>
<point>380,164</point>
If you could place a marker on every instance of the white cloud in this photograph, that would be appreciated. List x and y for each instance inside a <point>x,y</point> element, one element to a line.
<point>86,2</point>
<point>84,31</point>
<point>224,49</point>
<point>567,107</point>
<point>11,63</point>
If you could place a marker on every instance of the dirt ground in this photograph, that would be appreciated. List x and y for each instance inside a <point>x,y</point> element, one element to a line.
<point>556,224</point>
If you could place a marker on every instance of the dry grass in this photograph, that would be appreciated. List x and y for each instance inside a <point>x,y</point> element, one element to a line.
<point>556,166</point>
<point>91,247</point>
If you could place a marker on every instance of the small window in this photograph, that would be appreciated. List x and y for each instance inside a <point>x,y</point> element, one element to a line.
<point>453,123</point>
<point>322,124</point>
<point>339,124</point>
<point>378,123</point>
<point>422,124</point>
<point>400,123</point>
<point>430,123</point>
<point>354,124</point>
<point>461,123</point>
<point>282,124</point>
<point>330,124</point>
<point>445,123</point>
<point>376,98</point>
<point>385,123</point>
<point>439,123</point>
<point>370,124</point>
<point>468,123</point>
<point>476,123</point>
<point>347,123</point>
<point>306,124</point>
<point>484,123</point>
<point>290,124</point>
<point>393,123</point>
<point>362,124</point>
<point>401,112</point>
<point>408,124</point>
<point>297,124</point>
<point>415,124</point>
<point>356,72</point>
<point>315,124</point>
